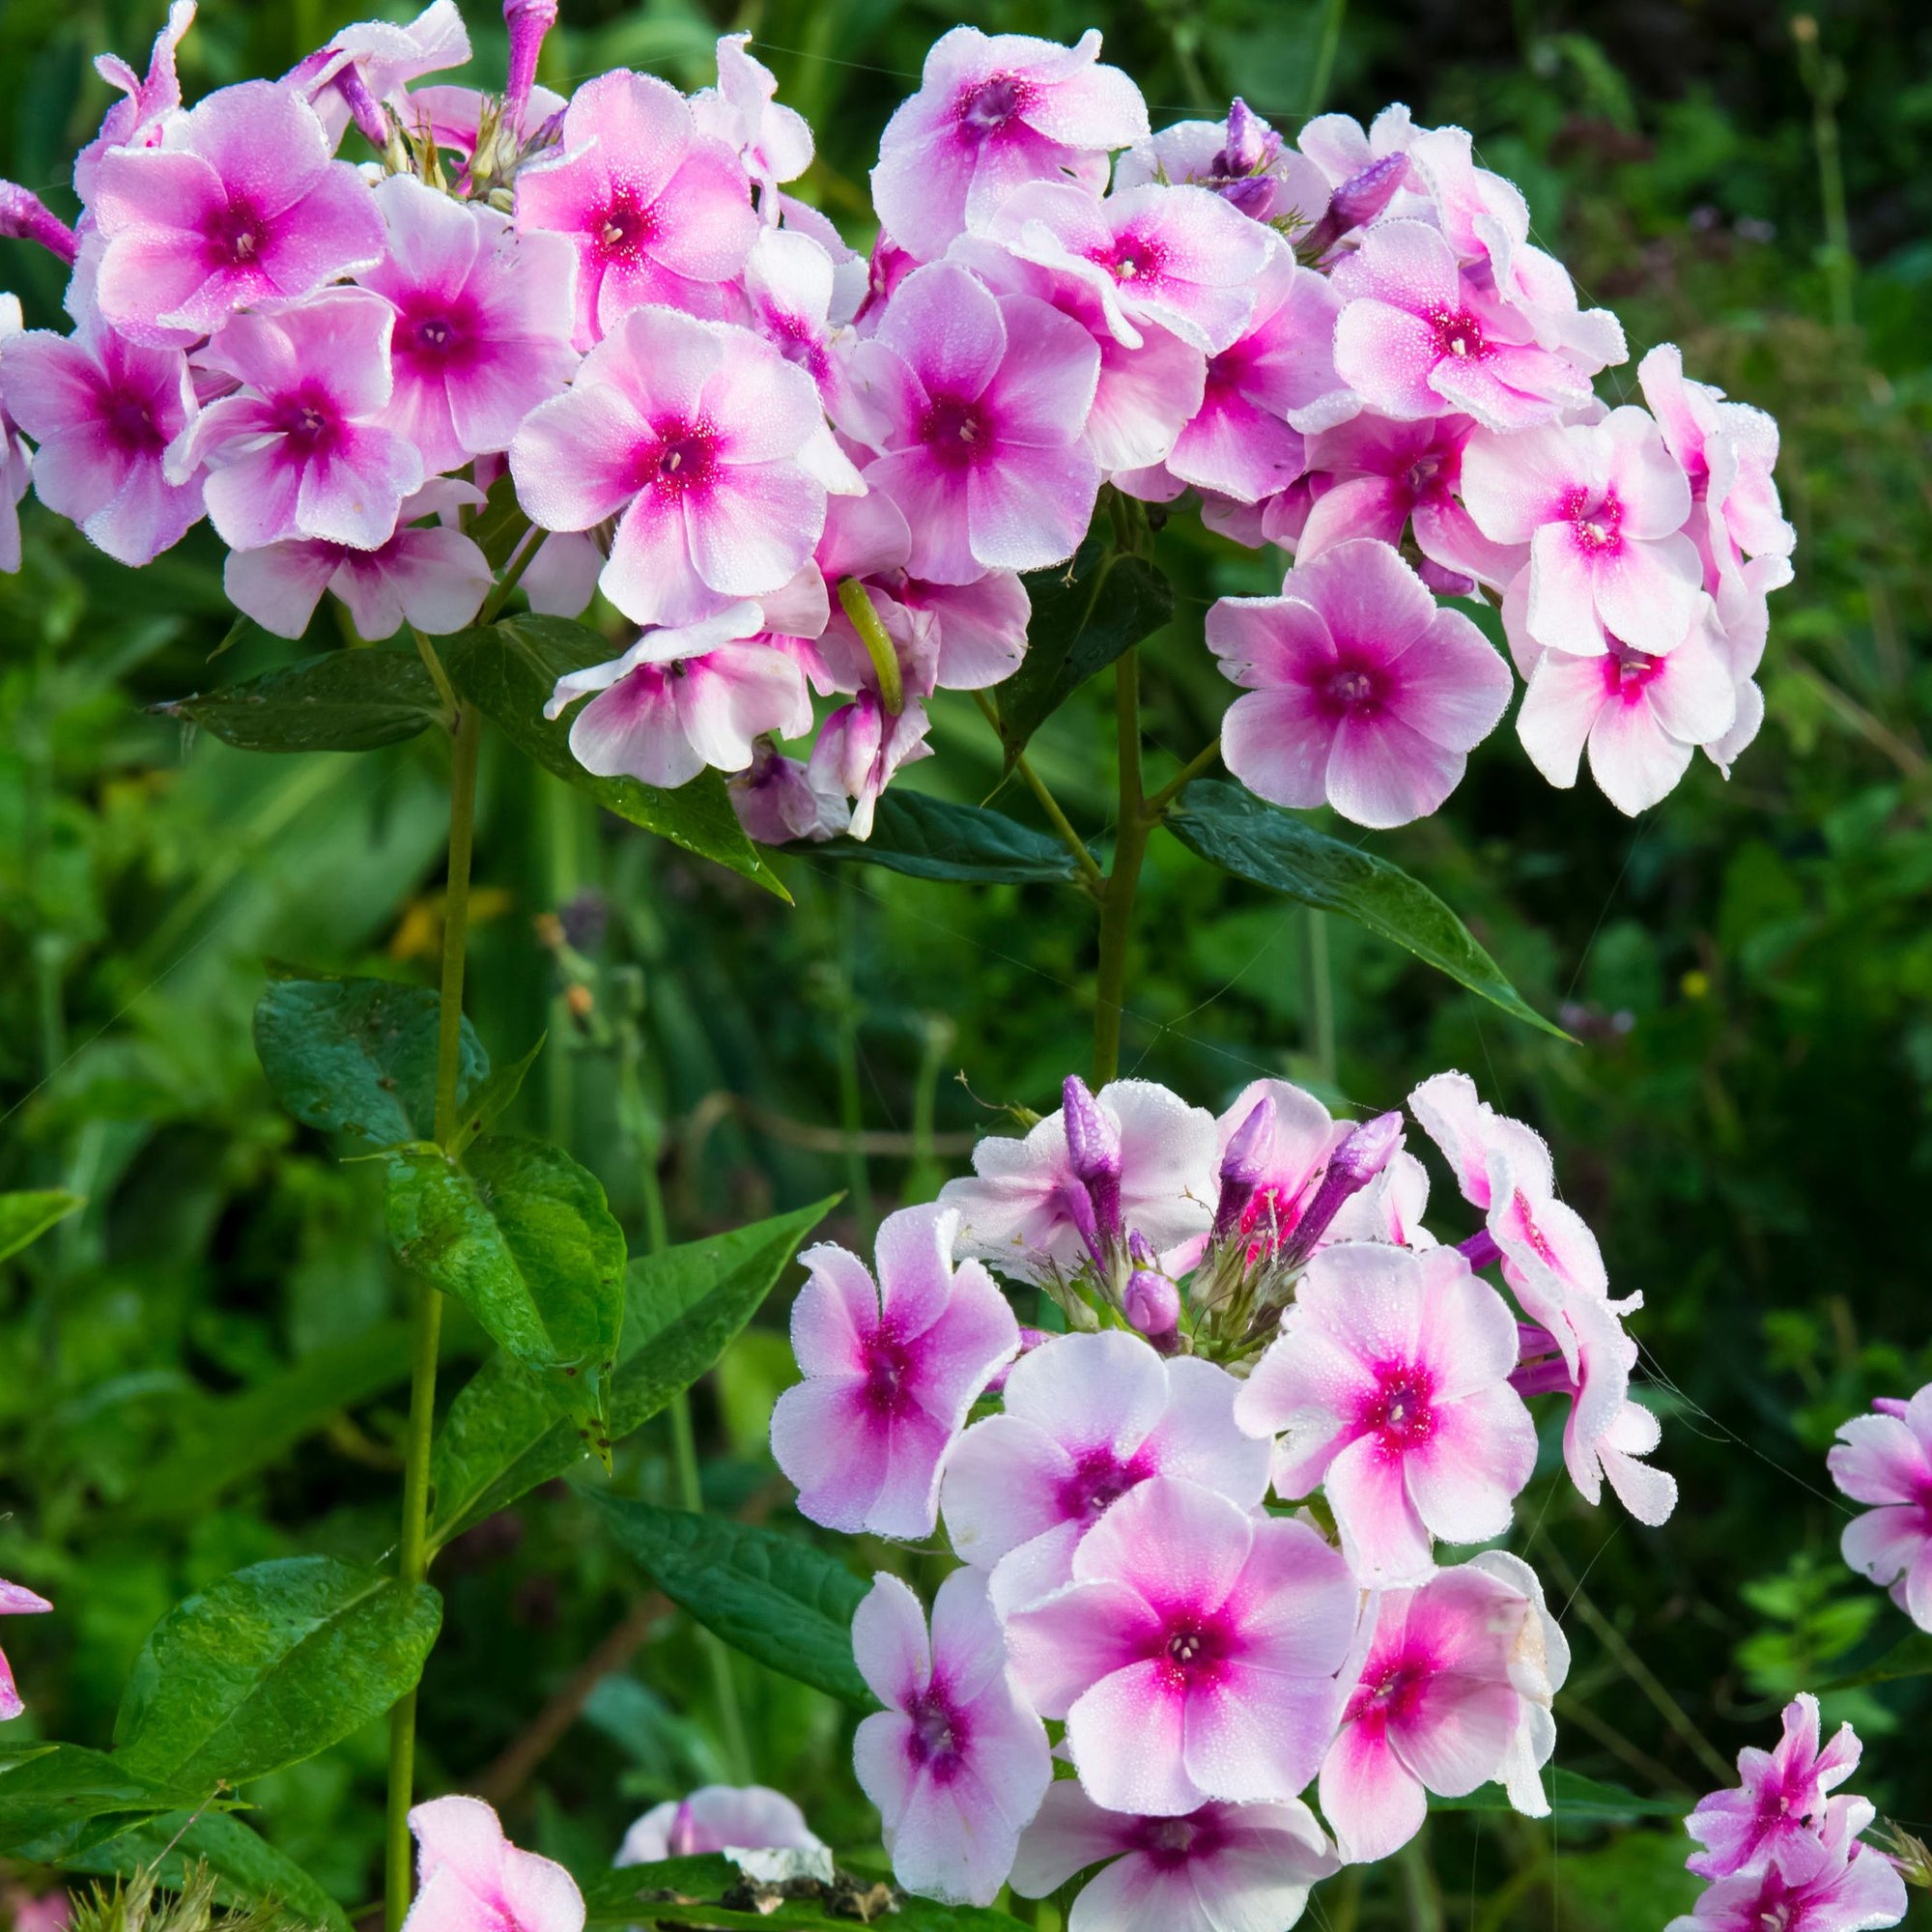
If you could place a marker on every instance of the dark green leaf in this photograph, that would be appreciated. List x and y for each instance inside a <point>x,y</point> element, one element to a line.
<point>1083,618</point>
<point>626,1897</point>
<point>521,1235</point>
<point>1574,1796</point>
<point>1910,1658</point>
<point>683,1308</point>
<point>774,1597</point>
<point>352,701</point>
<point>358,1057</point>
<point>933,839</point>
<point>1231,828</point>
<point>492,1100</point>
<point>269,1666</point>
<point>26,1217</point>
<point>63,1792</point>
<point>510,668</point>
<point>237,1436</point>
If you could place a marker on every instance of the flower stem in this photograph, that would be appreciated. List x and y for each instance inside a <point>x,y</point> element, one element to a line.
<point>412,1550</point>
<point>1333,14</point>
<point>1117,904</point>
<point>724,1684</point>
<point>1091,875</point>
<point>1203,760</point>
<point>1317,991</point>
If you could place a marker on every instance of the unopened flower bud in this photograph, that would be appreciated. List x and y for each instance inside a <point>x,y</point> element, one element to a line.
<point>1252,144</point>
<point>528,21</point>
<point>1358,202</point>
<point>1151,1303</point>
<point>364,109</point>
<point>1254,195</point>
<point>25,217</point>
<point>1480,1250</point>
<point>1029,1340</point>
<point>1094,1153</point>
<point>1350,1168</point>
<point>1244,1165</point>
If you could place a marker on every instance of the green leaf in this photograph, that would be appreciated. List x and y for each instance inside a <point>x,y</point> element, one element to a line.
<point>65,1791</point>
<point>1574,1796</point>
<point>492,1100</point>
<point>1912,1657</point>
<point>683,1308</point>
<point>1231,828</point>
<point>931,837</point>
<point>625,1897</point>
<point>25,1217</point>
<point>249,1870</point>
<point>1083,618</point>
<point>352,701</point>
<point>521,1235</point>
<point>235,1437</point>
<point>511,668</point>
<point>772,1596</point>
<point>269,1666</point>
<point>358,1057</point>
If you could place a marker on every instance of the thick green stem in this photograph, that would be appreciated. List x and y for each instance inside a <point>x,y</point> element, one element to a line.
<point>1204,760</point>
<point>1116,905</point>
<point>412,1549</point>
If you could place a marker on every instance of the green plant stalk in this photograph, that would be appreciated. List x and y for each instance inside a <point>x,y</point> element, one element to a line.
<point>851,1103</point>
<point>1333,12</point>
<point>724,1682</point>
<point>1317,991</point>
<point>1091,875</point>
<point>1116,905</point>
<point>1824,81</point>
<point>412,1550</point>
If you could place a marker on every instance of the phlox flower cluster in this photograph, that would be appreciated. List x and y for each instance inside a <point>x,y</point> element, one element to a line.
<point>1220,1517</point>
<point>800,474</point>
<point>1784,1847</point>
<point>1884,1461</point>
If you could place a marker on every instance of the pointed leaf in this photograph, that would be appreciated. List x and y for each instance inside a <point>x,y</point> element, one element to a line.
<point>627,1896</point>
<point>521,1235</point>
<point>1574,1796</point>
<point>683,1308</point>
<point>352,701</point>
<point>775,1597</point>
<point>931,837</point>
<point>358,1057</point>
<point>1083,618</point>
<point>492,1100</point>
<point>1231,828</point>
<point>269,1666</point>
<point>66,1791</point>
<point>511,668</point>
<point>1911,1657</point>
<point>25,1217</point>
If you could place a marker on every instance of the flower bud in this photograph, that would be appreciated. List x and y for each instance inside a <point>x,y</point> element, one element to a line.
<point>1029,1340</point>
<point>25,217</point>
<point>1094,1153</point>
<point>1151,1303</point>
<point>1358,202</point>
<point>1252,144</point>
<point>528,21</point>
<point>1245,1166</point>
<point>1350,1168</point>
<point>1480,1250</point>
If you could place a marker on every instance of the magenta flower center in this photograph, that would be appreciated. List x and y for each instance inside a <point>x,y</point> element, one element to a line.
<point>1400,1411</point>
<point>797,341</point>
<point>1267,1220</point>
<point>1099,1480</point>
<point>1457,333</point>
<point>1595,523</point>
<point>1169,1844</point>
<point>1192,1650</point>
<point>308,421</point>
<point>1387,1692</point>
<point>236,235</point>
<point>988,108</point>
<point>129,422</point>
<point>625,226</point>
<point>888,1371</point>
<point>956,431</point>
<point>679,459</point>
<point>939,1735</point>
<point>1133,258</point>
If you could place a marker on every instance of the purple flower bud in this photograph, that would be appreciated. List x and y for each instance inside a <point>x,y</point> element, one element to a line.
<point>25,217</point>
<point>1350,1168</point>
<point>528,21</point>
<point>1029,1340</point>
<point>1151,1303</point>
<point>1480,1250</point>
<point>1245,1166</point>
<point>1253,194</point>
<point>364,109</point>
<point>1252,144</point>
<point>1094,1153</point>
<point>1358,202</point>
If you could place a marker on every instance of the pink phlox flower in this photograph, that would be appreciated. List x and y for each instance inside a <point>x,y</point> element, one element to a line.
<point>136,120</point>
<point>1271,388</point>
<point>656,211</point>
<point>483,321</point>
<point>1887,1459</point>
<point>851,272</point>
<point>1739,634</point>
<point>368,66</point>
<point>886,268</point>
<point>240,205</point>
<point>1087,1419</point>
<point>990,114</point>
<point>1242,159</point>
<point>777,801</point>
<point>305,449</point>
<point>1390,1386</point>
<point>891,1371</point>
<point>1370,477</point>
<point>790,286</point>
<point>1640,717</point>
<point>1144,396</point>
<point>1363,692</point>
<point>773,142</point>
<point>452,117</point>
<point>1602,508</point>
<point>706,445</point>
<point>1178,258</point>
<point>1433,1709</point>
<point>1338,144</point>
<point>469,1875</point>
<point>956,1762</point>
<point>718,1818</point>
<point>16,459</point>
<point>15,1600</point>
<point>861,745</point>
<point>1194,1655</point>
<point>103,413</point>
<point>561,578</point>
<point>1022,1206</point>
<point>978,403</point>
<point>1221,1868</point>
<point>428,575</point>
<point>1389,1209</point>
<point>1539,1664</point>
<point>1769,1818</point>
<point>1418,336</point>
<point>1856,1888</point>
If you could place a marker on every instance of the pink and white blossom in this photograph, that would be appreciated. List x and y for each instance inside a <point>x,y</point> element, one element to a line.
<point>718,1818</point>
<point>1194,1655</point>
<point>656,211</point>
<point>1221,1868</point>
<point>1242,159</point>
<point>1087,1419</point>
<point>1539,1664</point>
<point>1856,1889</point>
<point>990,114</point>
<point>774,143</point>
<point>15,1601</point>
<point>305,449</point>
<point>977,402</point>
<point>1774,1814</point>
<point>1389,1388</point>
<point>242,205</point>
<point>1433,1710</point>
<point>777,801</point>
<point>138,118</point>
<point>368,66</point>
<point>483,321</point>
<point>15,460</point>
<point>861,745</point>
<point>1886,1459</point>
<point>956,1762</point>
<point>791,288</point>
<point>890,1370</point>
<point>469,1875</point>
<point>1363,692</point>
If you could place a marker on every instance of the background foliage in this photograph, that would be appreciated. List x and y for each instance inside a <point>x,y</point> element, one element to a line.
<point>206,1368</point>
